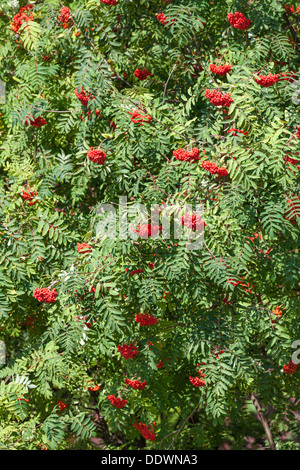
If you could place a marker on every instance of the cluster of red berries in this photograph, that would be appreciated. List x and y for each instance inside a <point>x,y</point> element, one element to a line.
<point>142,74</point>
<point>200,370</point>
<point>217,354</point>
<point>197,381</point>
<point>280,63</point>
<point>298,132</point>
<point>293,161</point>
<point>237,131</point>
<point>289,76</point>
<point>21,17</point>
<point>294,211</point>
<point>213,168</point>
<point>112,125</point>
<point>225,111</point>
<point>221,69</point>
<point>238,20</point>
<point>192,221</point>
<point>291,9</point>
<point>117,402</point>
<point>139,118</point>
<point>135,271</point>
<point>80,297</point>
<point>147,230</point>
<point>187,156</point>
<point>97,114</point>
<point>95,388</point>
<point>217,98</point>
<point>145,319</point>
<point>246,285</point>
<point>36,122</point>
<point>28,196</point>
<point>265,253</point>
<point>276,311</point>
<point>267,80</point>
<point>61,405</point>
<point>45,295</point>
<point>31,320</point>
<point>290,368</point>
<point>162,18</point>
<point>82,96</point>
<point>109,2</point>
<point>64,17</point>
<point>146,431</point>
<point>83,248</point>
<point>96,156</point>
<point>256,235</point>
<point>87,324</point>
<point>128,351</point>
<point>23,399</point>
<point>136,384</point>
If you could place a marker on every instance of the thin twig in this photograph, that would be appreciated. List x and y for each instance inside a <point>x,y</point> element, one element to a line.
<point>181,427</point>
<point>174,67</point>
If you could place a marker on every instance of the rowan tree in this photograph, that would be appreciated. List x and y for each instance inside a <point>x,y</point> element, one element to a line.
<point>140,341</point>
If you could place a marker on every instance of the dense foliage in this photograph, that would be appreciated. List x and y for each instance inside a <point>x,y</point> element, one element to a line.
<point>142,343</point>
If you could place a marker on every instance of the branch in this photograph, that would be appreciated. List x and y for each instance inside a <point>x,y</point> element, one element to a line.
<point>263,420</point>
<point>293,32</point>
<point>181,427</point>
